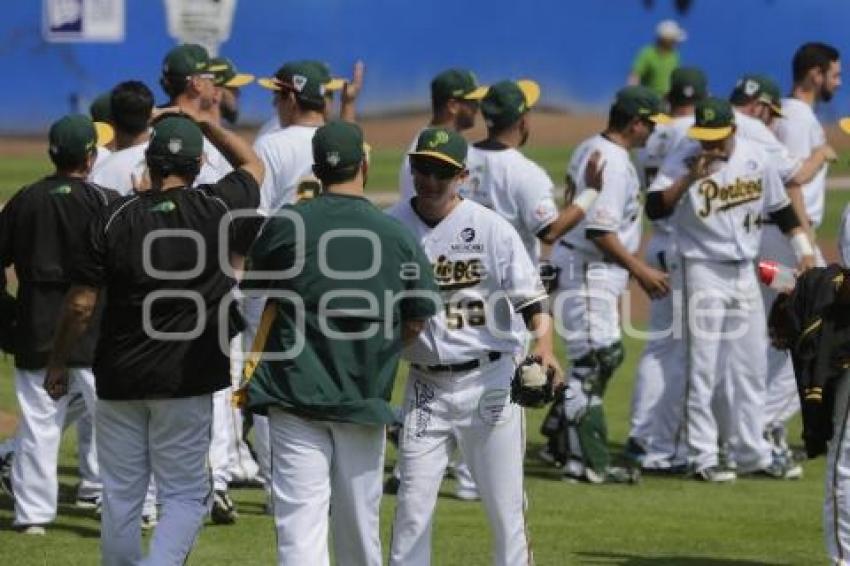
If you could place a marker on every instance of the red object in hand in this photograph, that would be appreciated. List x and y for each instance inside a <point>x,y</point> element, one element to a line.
<point>777,276</point>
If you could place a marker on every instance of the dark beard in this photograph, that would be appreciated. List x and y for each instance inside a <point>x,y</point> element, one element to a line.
<point>826,95</point>
<point>229,113</point>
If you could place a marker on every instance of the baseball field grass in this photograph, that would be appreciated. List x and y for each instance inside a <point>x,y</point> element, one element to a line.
<point>660,522</point>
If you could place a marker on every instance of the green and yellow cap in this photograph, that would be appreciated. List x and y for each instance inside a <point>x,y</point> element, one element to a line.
<point>506,101</point>
<point>309,80</point>
<point>176,137</point>
<point>757,87</point>
<point>687,85</point>
<point>443,145</point>
<point>186,60</point>
<point>713,120</point>
<point>337,145</point>
<point>100,109</point>
<point>456,83</point>
<point>226,74</point>
<point>640,102</point>
<point>74,136</point>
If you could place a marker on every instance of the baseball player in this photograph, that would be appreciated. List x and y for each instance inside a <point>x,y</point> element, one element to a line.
<point>350,90</point>
<point>132,104</point>
<point>228,80</point>
<point>656,438</point>
<point>595,260</point>
<point>458,388</point>
<point>718,190</point>
<point>455,96</point>
<point>191,85</point>
<point>328,403</point>
<point>155,380</point>
<point>41,229</point>
<point>817,75</point>
<point>810,322</point>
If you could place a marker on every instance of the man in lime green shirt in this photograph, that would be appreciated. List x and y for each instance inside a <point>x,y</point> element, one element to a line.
<point>347,287</point>
<point>654,63</point>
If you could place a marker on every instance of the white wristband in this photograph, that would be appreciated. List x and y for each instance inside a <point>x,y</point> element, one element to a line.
<point>802,246</point>
<point>585,199</point>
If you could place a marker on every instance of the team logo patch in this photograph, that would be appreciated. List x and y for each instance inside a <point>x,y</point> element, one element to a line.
<point>494,407</point>
<point>708,114</point>
<point>298,81</point>
<point>440,138</point>
<point>752,165</point>
<point>332,158</point>
<point>61,190</point>
<point>467,234</point>
<point>688,91</point>
<point>175,145</point>
<point>544,211</point>
<point>165,206</point>
<point>750,87</point>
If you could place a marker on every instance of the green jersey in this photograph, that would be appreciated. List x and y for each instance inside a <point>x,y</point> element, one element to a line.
<point>355,275</point>
<point>654,67</point>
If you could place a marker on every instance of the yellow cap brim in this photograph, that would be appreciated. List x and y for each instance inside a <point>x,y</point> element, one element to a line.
<point>477,94</point>
<point>269,83</point>
<point>709,134</point>
<point>844,124</point>
<point>240,79</point>
<point>531,91</point>
<point>439,156</point>
<point>105,133</point>
<point>777,110</point>
<point>660,118</point>
<point>334,84</point>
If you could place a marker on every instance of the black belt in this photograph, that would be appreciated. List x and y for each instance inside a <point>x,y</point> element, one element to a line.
<point>462,366</point>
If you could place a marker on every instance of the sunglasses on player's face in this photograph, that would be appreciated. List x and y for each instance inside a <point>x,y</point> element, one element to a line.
<point>431,167</point>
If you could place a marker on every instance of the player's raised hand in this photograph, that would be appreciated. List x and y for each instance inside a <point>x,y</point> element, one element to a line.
<point>56,383</point>
<point>594,171</point>
<point>828,153</point>
<point>140,183</point>
<point>655,282</point>
<point>351,89</point>
<point>700,165</point>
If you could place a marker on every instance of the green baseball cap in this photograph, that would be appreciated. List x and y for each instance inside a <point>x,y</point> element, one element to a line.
<point>176,136</point>
<point>443,145</point>
<point>310,80</point>
<point>337,145</point>
<point>713,120</point>
<point>74,136</point>
<point>687,84</point>
<point>226,74</point>
<point>757,87</point>
<point>456,83</point>
<point>506,101</point>
<point>186,60</point>
<point>641,102</point>
<point>100,109</point>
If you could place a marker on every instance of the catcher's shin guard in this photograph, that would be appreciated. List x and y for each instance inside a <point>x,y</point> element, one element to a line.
<point>587,433</point>
<point>607,360</point>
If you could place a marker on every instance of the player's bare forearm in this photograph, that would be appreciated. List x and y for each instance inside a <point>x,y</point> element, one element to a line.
<point>76,316</point>
<point>795,195</point>
<point>812,165</point>
<point>567,219</point>
<point>543,327</point>
<point>237,151</point>
<point>609,244</point>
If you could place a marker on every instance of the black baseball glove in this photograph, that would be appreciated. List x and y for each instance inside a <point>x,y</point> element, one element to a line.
<point>532,385</point>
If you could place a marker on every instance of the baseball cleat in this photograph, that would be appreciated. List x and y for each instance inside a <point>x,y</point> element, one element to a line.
<point>467,494</point>
<point>6,475</point>
<point>223,510</point>
<point>87,502</point>
<point>545,454</point>
<point>716,474</point>
<point>33,530</point>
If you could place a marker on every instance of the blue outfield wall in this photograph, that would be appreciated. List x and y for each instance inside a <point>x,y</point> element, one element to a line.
<point>579,50</point>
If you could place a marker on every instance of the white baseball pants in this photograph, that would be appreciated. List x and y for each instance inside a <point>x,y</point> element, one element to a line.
<point>658,398</point>
<point>222,439</point>
<point>474,409</point>
<point>836,508</point>
<point>322,466</point>
<point>170,439</point>
<point>38,436</point>
<point>726,325</point>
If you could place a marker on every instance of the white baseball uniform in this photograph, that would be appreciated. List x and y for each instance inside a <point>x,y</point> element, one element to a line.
<point>836,510</point>
<point>485,275</point>
<point>717,226</point>
<point>102,153</point>
<point>659,389</point>
<point>801,132</point>
<point>269,126</point>
<point>114,171</point>
<point>844,237</point>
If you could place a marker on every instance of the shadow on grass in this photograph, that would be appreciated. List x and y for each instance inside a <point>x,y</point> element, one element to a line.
<point>617,559</point>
